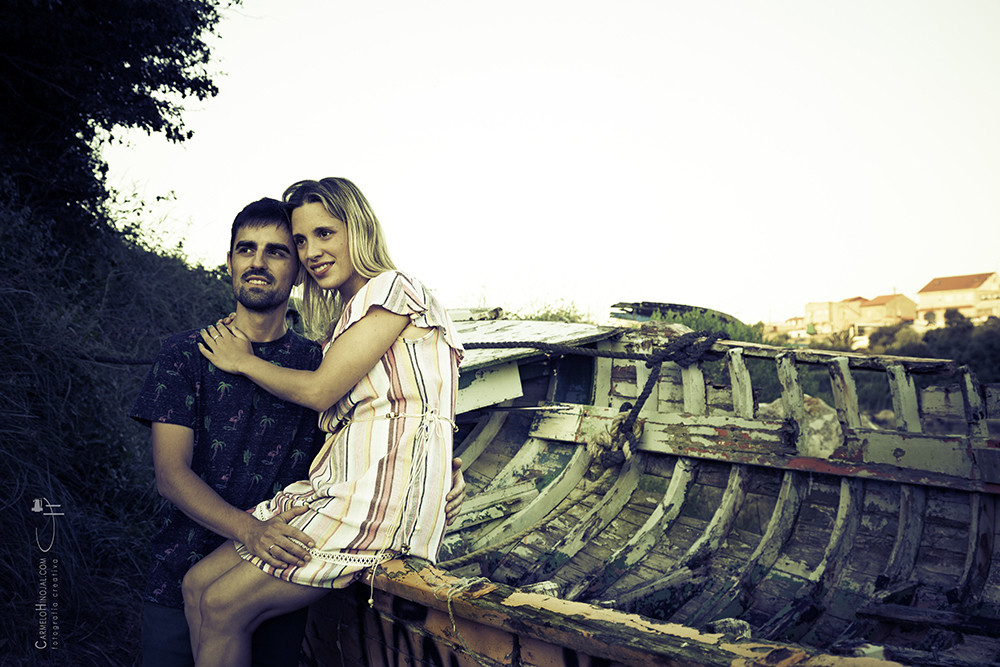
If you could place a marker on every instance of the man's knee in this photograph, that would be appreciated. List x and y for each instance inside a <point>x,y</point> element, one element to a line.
<point>191,589</point>
<point>217,607</point>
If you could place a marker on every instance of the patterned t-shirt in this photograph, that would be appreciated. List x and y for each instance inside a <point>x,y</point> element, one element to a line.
<point>248,444</point>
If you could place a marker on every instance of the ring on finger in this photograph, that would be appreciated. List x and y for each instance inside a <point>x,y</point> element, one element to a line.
<point>271,547</point>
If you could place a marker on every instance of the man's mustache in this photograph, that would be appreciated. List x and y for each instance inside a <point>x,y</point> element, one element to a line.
<point>259,274</point>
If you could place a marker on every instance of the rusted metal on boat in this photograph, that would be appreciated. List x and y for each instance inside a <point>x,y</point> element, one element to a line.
<point>730,532</point>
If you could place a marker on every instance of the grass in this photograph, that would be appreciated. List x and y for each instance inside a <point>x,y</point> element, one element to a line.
<point>67,437</point>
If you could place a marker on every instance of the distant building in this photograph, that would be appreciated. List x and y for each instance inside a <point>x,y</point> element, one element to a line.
<point>977,296</point>
<point>888,309</point>
<point>827,317</point>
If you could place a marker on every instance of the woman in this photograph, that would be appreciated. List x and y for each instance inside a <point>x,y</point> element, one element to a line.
<point>386,393</point>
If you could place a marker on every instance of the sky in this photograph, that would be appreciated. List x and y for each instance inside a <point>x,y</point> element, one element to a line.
<point>749,156</point>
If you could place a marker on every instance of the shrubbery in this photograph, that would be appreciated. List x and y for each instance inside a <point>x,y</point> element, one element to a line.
<point>65,430</point>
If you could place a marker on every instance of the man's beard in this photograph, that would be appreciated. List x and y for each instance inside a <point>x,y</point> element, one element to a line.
<point>258,302</point>
<point>256,299</point>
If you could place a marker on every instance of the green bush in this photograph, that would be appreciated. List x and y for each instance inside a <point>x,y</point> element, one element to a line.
<point>563,311</point>
<point>70,320</point>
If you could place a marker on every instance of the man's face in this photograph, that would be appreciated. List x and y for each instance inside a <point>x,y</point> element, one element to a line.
<point>264,265</point>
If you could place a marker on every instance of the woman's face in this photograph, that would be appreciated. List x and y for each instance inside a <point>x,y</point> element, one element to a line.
<point>321,241</point>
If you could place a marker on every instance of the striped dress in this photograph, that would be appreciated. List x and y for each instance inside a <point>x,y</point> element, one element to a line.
<point>377,487</point>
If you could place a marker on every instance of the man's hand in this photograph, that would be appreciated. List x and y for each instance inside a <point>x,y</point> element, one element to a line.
<point>276,542</point>
<point>456,496</point>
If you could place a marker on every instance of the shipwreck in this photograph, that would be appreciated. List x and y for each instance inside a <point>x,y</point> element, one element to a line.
<point>634,500</point>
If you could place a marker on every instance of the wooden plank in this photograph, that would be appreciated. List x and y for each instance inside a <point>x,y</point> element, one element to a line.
<point>546,500</point>
<point>481,436</point>
<point>742,389</point>
<point>791,393</point>
<point>487,386</point>
<point>508,331</point>
<point>732,600</point>
<point>913,499</point>
<point>821,580</point>
<point>991,400</point>
<point>461,314</point>
<point>712,537</point>
<point>853,359</point>
<point>936,618</point>
<point>945,402</point>
<point>982,536</point>
<point>904,399</point>
<point>909,528</point>
<point>589,525</point>
<point>493,504</point>
<point>975,410</point>
<point>913,458</point>
<point>845,393</point>
<point>602,375</point>
<point>694,390</point>
<point>638,547</point>
<point>581,629</point>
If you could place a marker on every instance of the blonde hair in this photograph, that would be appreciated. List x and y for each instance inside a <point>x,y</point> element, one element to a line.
<point>365,242</point>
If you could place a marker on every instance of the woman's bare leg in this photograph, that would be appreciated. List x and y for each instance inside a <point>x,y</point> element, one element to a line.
<point>198,578</point>
<point>235,603</point>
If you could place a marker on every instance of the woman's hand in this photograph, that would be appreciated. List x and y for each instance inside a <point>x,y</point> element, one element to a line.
<point>225,346</point>
<point>276,542</point>
<point>456,496</point>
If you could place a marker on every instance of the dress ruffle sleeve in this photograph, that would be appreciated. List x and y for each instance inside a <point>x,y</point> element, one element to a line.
<point>402,294</point>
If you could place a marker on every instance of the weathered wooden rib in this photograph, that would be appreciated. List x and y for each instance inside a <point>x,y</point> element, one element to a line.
<point>804,526</point>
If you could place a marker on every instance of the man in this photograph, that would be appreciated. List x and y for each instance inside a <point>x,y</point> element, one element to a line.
<point>221,444</point>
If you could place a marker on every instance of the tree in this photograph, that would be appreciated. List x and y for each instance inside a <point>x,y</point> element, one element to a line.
<point>71,74</point>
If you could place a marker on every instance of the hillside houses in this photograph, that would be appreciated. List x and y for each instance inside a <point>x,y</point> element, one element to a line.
<point>887,310</point>
<point>826,317</point>
<point>977,296</point>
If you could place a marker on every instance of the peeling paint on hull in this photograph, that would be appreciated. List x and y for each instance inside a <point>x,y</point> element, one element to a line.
<point>826,540</point>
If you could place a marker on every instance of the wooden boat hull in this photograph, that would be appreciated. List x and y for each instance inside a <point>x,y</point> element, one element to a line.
<point>725,534</point>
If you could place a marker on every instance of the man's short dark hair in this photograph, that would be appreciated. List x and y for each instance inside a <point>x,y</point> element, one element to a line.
<point>260,213</point>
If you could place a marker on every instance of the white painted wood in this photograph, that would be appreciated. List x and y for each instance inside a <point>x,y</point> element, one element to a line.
<point>854,359</point>
<point>820,582</point>
<point>481,436</point>
<point>975,410</point>
<point>526,457</point>
<point>648,536</point>
<point>912,499</point>
<point>742,388</point>
<point>693,383</point>
<point>904,398</point>
<point>494,504</point>
<point>983,539</point>
<point>791,391</point>
<point>489,386</point>
<point>779,528</point>
<point>602,375</point>
<point>593,522</point>
<point>845,393</point>
<point>945,461</point>
<point>513,331</point>
<point>845,528</point>
<point>708,542</point>
<point>910,526</point>
<point>547,499</point>
<point>717,529</point>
